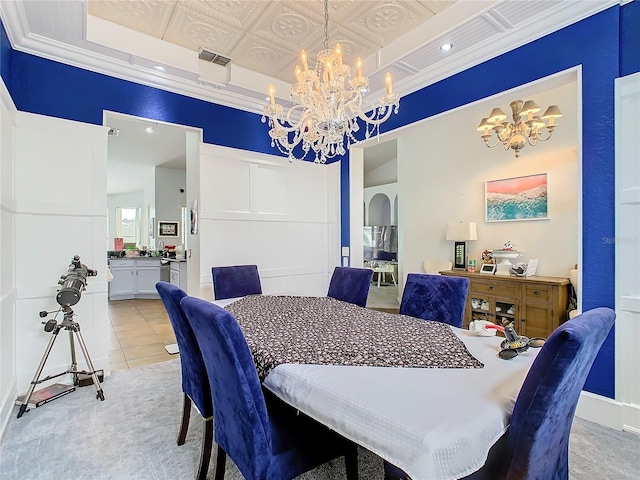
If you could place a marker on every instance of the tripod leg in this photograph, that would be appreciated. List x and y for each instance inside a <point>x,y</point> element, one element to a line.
<point>74,361</point>
<point>85,352</point>
<point>36,377</point>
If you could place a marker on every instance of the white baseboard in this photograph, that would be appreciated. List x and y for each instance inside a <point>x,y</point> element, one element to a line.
<point>7,406</point>
<point>609,412</point>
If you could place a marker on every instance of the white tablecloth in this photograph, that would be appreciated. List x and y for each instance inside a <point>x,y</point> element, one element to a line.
<point>435,424</point>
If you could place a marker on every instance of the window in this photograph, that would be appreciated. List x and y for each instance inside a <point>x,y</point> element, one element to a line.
<point>128,224</point>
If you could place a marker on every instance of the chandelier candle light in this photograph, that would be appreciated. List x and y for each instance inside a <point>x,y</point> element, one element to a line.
<point>328,104</point>
<point>524,129</point>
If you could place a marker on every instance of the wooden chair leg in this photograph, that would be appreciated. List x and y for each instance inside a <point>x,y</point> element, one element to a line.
<point>351,463</point>
<point>184,423</point>
<point>220,463</point>
<point>205,450</point>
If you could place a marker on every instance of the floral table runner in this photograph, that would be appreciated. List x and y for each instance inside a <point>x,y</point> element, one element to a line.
<point>325,331</point>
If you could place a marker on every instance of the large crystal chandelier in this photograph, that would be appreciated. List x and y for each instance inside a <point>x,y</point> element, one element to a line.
<point>525,128</point>
<point>328,104</point>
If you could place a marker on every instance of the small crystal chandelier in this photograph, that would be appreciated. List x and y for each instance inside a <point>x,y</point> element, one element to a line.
<point>328,104</point>
<point>524,129</point>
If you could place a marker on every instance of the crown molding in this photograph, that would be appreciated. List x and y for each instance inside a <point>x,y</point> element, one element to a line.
<point>240,90</point>
<point>565,14</point>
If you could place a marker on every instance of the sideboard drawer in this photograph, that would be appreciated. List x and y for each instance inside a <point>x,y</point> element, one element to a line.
<point>537,293</point>
<point>497,289</point>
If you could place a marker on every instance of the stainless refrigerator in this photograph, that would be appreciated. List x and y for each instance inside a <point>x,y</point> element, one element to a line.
<point>380,242</point>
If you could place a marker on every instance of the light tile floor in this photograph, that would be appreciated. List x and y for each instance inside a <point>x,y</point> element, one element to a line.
<point>140,329</point>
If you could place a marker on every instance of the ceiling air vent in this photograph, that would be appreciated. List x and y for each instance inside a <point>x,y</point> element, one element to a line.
<point>213,57</point>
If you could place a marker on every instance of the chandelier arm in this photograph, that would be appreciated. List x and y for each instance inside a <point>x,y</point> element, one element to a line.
<point>290,126</point>
<point>486,139</point>
<point>287,127</point>
<point>379,120</point>
<point>540,139</point>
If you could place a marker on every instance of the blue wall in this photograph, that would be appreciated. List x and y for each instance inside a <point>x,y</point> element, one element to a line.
<point>604,44</point>
<point>50,88</point>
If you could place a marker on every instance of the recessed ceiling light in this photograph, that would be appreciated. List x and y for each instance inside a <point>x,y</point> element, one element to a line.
<point>446,47</point>
<point>149,129</point>
<point>159,68</point>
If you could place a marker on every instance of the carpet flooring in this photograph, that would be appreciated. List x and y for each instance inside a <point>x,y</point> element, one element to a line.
<point>131,435</point>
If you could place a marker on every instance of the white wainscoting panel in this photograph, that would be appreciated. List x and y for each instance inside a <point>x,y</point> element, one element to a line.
<point>60,211</point>
<point>307,247</point>
<point>226,193</point>
<point>7,259</point>
<point>269,245</point>
<point>264,210</point>
<point>268,189</point>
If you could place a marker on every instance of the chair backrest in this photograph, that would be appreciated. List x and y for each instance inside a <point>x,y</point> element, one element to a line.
<point>538,436</point>
<point>235,281</point>
<point>350,284</point>
<point>194,374</point>
<point>435,297</point>
<point>241,421</point>
<point>436,266</point>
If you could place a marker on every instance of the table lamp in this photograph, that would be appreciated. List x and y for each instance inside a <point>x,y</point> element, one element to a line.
<point>461,233</point>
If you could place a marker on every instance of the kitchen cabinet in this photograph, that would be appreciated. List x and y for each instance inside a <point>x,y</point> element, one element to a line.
<point>535,306</point>
<point>134,278</point>
<point>147,275</point>
<point>178,273</point>
<point>123,283</point>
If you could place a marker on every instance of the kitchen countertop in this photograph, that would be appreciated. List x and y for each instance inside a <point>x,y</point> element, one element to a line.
<point>134,258</point>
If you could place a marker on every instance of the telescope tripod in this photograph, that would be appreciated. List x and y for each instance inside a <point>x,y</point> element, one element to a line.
<point>73,328</point>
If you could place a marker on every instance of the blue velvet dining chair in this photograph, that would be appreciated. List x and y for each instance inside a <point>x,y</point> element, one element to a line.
<point>350,284</point>
<point>195,384</point>
<point>235,281</point>
<point>435,297</point>
<point>266,438</point>
<point>536,445</point>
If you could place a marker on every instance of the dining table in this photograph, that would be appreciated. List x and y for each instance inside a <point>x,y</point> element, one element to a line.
<point>427,397</point>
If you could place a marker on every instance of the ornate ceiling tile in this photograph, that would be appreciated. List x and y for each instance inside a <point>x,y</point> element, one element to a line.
<point>339,10</point>
<point>383,22</point>
<point>194,30</point>
<point>436,6</point>
<point>252,53</point>
<point>237,13</point>
<point>146,16</point>
<point>289,25</point>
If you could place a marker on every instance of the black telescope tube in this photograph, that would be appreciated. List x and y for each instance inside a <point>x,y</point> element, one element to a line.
<point>70,292</point>
<point>74,282</point>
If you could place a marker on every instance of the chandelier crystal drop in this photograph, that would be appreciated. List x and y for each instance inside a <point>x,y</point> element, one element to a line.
<point>328,103</point>
<point>526,127</point>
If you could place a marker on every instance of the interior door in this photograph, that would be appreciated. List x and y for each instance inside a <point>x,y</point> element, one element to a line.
<point>627,247</point>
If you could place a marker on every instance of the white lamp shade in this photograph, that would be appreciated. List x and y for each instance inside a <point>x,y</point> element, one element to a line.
<point>462,231</point>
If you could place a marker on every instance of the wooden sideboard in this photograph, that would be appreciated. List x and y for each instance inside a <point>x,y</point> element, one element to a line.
<point>535,305</point>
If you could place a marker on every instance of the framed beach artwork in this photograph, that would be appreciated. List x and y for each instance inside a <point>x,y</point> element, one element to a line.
<point>518,198</point>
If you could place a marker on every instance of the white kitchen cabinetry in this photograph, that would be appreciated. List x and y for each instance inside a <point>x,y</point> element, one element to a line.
<point>123,283</point>
<point>147,275</point>
<point>134,278</point>
<point>179,274</point>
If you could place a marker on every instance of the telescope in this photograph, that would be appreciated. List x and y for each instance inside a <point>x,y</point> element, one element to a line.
<point>74,282</point>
